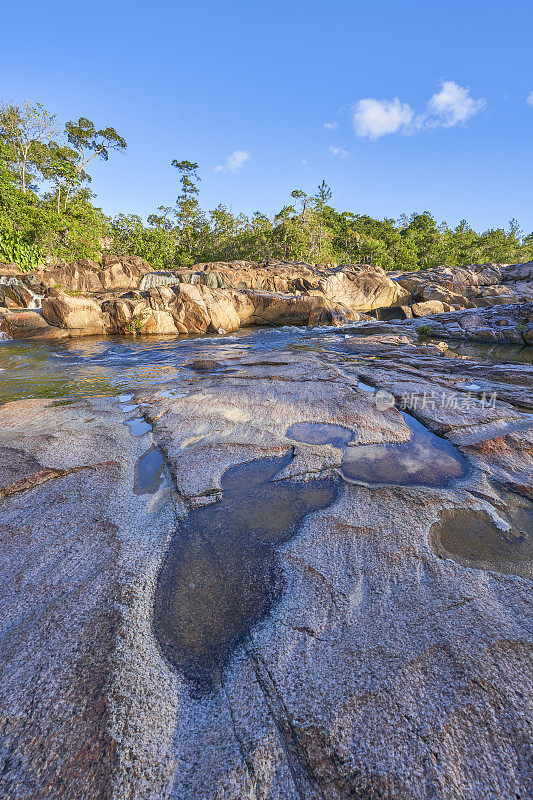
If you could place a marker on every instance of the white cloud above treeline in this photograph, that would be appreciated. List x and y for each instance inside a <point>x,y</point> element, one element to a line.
<point>529,100</point>
<point>234,162</point>
<point>451,105</point>
<point>375,118</point>
<point>338,151</point>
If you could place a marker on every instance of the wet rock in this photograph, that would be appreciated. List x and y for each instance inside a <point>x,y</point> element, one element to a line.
<point>320,433</point>
<point>14,294</point>
<point>477,540</point>
<point>504,324</point>
<point>527,333</point>
<point>392,313</point>
<point>205,365</point>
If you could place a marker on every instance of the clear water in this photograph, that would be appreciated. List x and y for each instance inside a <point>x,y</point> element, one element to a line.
<point>424,460</point>
<point>472,539</point>
<point>220,575</point>
<point>148,471</point>
<point>319,433</point>
<point>118,365</point>
<point>492,353</point>
<point>109,365</point>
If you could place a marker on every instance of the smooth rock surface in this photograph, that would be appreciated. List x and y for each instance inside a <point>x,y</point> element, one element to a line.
<point>383,667</point>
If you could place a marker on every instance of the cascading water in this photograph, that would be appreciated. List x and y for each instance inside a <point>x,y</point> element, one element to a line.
<point>166,278</point>
<point>18,292</point>
<point>161,278</point>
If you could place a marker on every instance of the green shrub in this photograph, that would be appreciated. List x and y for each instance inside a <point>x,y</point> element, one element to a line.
<point>14,249</point>
<point>424,331</point>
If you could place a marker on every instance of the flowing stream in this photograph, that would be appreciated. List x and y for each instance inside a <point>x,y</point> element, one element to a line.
<point>99,366</point>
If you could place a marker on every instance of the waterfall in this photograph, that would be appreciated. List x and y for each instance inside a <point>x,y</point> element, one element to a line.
<point>17,290</point>
<point>167,278</point>
<point>159,278</point>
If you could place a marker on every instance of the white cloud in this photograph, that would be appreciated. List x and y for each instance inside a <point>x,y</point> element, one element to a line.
<point>453,104</point>
<point>303,162</point>
<point>450,106</point>
<point>529,100</point>
<point>375,118</point>
<point>330,126</point>
<point>338,151</point>
<point>234,162</point>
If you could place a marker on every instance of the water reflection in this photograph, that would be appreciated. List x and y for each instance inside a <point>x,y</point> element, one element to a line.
<point>220,575</point>
<point>472,539</point>
<point>113,365</point>
<point>110,365</point>
<point>319,433</point>
<point>424,460</point>
<point>148,471</point>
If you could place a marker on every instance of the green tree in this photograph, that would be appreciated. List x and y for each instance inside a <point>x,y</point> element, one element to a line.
<point>187,207</point>
<point>89,143</point>
<point>22,131</point>
<point>321,199</point>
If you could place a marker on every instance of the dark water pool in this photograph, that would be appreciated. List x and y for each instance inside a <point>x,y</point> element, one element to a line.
<point>220,575</point>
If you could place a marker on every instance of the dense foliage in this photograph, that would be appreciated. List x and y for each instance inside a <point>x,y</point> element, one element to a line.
<point>46,208</point>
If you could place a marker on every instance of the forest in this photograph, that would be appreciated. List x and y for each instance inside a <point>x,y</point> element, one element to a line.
<point>48,210</point>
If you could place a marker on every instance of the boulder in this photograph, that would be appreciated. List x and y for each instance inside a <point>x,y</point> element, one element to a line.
<point>28,325</point>
<point>472,284</point>
<point>500,324</point>
<point>527,333</point>
<point>14,294</point>
<point>89,276</point>
<point>269,308</point>
<point>123,273</point>
<point>427,308</point>
<point>200,309</point>
<point>79,315</point>
<point>434,292</point>
<point>363,288</point>
<point>78,276</point>
<point>10,269</point>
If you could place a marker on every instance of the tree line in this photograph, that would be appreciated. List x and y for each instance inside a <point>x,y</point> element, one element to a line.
<point>47,209</point>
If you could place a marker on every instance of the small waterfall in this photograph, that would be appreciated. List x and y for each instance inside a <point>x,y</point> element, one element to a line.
<point>160,278</point>
<point>14,288</point>
<point>167,278</point>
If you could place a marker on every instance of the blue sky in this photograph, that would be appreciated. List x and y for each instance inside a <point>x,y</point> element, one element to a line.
<point>245,88</point>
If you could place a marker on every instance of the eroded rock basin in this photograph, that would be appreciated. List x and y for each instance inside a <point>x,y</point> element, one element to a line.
<point>319,433</point>
<point>425,460</point>
<point>475,539</point>
<point>148,470</point>
<point>220,575</point>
